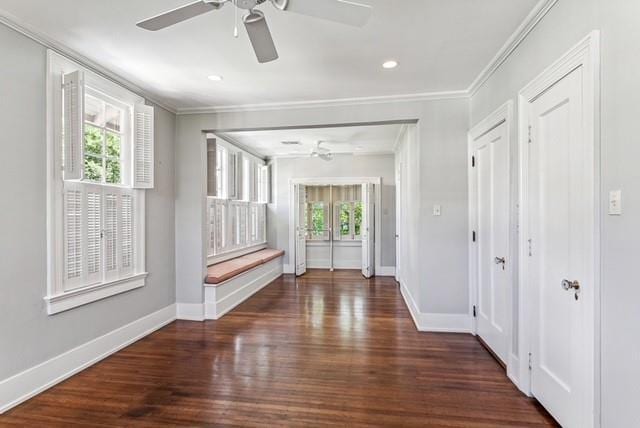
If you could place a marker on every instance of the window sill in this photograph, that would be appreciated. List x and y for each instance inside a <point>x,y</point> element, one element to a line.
<point>232,254</point>
<point>74,298</point>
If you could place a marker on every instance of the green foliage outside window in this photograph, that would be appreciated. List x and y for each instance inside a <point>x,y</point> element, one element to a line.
<point>95,158</point>
<point>345,219</point>
<point>357,218</point>
<point>318,220</point>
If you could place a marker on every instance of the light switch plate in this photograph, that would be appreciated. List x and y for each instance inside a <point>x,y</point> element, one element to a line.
<point>437,210</point>
<point>615,202</point>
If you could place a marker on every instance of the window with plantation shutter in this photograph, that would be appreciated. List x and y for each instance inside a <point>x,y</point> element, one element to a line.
<point>236,210</point>
<point>101,141</point>
<point>143,147</point>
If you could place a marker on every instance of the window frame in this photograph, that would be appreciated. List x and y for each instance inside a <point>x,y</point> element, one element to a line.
<point>337,236</point>
<point>60,297</point>
<point>126,138</point>
<point>326,234</point>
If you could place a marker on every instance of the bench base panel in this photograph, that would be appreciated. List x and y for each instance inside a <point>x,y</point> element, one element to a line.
<point>220,299</point>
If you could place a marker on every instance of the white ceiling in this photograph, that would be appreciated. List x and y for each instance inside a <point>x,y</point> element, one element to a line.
<point>442,45</point>
<point>347,139</point>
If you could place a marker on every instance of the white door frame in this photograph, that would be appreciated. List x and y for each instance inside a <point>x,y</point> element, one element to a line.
<point>337,181</point>
<point>585,54</point>
<point>503,115</point>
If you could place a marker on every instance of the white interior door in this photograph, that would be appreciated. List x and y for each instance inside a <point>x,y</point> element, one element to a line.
<point>367,230</point>
<point>300,206</point>
<point>560,209</point>
<point>491,152</point>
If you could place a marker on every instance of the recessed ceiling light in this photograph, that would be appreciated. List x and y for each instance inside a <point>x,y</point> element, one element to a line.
<point>215,78</point>
<point>390,64</point>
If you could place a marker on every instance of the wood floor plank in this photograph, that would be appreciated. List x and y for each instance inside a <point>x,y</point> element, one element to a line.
<point>326,349</point>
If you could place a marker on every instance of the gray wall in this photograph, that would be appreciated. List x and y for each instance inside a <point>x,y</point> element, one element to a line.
<point>441,130</point>
<point>28,336</point>
<point>567,23</point>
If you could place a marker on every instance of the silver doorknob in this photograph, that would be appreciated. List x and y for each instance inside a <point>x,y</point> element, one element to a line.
<point>570,285</point>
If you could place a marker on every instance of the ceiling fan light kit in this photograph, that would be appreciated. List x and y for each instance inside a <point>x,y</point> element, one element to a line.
<point>341,11</point>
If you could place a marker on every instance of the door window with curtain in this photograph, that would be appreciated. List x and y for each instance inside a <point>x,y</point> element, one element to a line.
<point>347,213</point>
<point>317,213</point>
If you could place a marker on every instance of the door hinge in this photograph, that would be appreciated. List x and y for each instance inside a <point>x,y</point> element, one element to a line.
<point>473,161</point>
<point>473,236</point>
<point>530,251</point>
<point>530,366</point>
<point>474,311</point>
<point>530,140</point>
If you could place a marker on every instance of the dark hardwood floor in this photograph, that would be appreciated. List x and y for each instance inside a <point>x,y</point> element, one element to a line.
<point>325,349</point>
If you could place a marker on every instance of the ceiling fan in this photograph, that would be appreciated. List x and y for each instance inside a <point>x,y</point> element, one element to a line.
<point>321,152</point>
<point>342,11</point>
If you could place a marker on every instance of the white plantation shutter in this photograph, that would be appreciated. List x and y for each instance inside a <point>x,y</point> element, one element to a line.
<point>111,234</point>
<point>262,223</point>
<point>211,223</point>
<point>232,170</point>
<point>93,234</point>
<point>73,236</point>
<point>221,226</point>
<point>265,191</point>
<point>143,141</point>
<point>126,233</point>
<point>73,115</point>
<point>211,167</point>
<point>239,176</point>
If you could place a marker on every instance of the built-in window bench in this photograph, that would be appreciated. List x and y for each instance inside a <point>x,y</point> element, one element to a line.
<point>231,282</point>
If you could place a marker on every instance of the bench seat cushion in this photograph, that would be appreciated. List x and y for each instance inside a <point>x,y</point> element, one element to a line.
<point>224,271</point>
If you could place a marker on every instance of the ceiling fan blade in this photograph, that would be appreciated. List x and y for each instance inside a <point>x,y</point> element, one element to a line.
<point>260,36</point>
<point>342,11</point>
<point>177,15</point>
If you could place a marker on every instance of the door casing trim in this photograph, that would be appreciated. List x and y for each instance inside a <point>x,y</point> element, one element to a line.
<point>585,55</point>
<point>503,115</point>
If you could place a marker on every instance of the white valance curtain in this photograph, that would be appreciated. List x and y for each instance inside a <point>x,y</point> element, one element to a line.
<point>340,193</point>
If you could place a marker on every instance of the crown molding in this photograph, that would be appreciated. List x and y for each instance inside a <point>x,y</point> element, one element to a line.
<point>58,47</point>
<point>519,35</point>
<point>428,96</point>
<point>530,22</point>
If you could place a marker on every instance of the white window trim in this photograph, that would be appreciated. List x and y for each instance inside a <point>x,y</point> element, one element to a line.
<point>57,299</point>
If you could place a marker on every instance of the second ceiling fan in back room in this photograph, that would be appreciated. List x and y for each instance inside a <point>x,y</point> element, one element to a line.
<point>342,11</point>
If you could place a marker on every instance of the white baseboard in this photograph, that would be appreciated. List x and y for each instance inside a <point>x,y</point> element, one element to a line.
<point>439,323</point>
<point>339,265</point>
<point>289,269</point>
<point>190,311</point>
<point>385,271</point>
<point>223,298</point>
<point>24,385</point>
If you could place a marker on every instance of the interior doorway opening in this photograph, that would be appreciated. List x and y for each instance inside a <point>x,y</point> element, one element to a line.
<point>335,225</point>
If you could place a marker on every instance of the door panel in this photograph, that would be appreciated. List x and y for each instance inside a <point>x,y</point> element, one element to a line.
<point>492,178</point>
<point>300,204</point>
<point>559,207</point>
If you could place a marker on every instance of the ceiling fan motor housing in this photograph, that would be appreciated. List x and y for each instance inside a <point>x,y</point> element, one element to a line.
<point>248,4</point>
